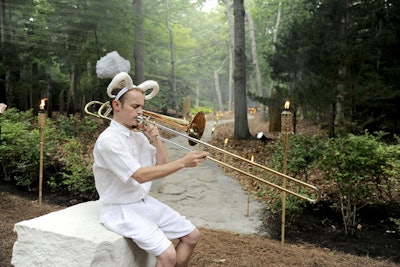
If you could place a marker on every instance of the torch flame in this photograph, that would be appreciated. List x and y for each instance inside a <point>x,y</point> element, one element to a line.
<point>42,103</point>
<point>287,104</point>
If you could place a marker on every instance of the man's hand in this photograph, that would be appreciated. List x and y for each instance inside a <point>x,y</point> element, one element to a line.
<point>194,158</point>
<point>151,131</point>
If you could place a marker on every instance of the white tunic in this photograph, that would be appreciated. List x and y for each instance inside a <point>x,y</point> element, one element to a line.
<point>118,153</point>
<point>127,208</point>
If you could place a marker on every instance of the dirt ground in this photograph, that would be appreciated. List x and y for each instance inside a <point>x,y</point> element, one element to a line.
<point>216,248</point>
<point>316,239</point>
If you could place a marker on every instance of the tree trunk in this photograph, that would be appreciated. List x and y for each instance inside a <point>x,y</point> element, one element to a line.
<point>263,117</point>
<point>274,110</point>
<point>173,69</point>
<point>34,90</point>
<point>3,21</point>
<point>138,51</point>
<point>333,112</point>
<point>241,129</point>
<point>197,93</point>
<point>229,13</point>
<point>61,101</point>
<point>71,91</point>
<point>217,89</point>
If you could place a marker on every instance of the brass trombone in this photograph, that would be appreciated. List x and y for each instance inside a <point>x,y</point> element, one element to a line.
<point>195,130</point>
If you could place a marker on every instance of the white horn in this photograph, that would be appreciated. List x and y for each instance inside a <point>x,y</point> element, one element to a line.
<point>150,84</point>
<point>120,81</point>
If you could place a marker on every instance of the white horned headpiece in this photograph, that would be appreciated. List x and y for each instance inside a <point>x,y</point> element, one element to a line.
<point>124,82</point>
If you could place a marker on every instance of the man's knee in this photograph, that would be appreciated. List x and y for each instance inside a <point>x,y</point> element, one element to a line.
<point>192,238</point>
<point>168,257</point>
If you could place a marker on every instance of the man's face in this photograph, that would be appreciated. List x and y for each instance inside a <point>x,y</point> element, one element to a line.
<point>126,112</point>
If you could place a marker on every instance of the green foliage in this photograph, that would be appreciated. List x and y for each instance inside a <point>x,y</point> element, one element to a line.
<point>396,222</point>
<point>206,110</point>
<point>51,40</point>
<point>83,129</point>
<point>330,64</point>
<point>78,176</point>
<point>362,169</point>
<point>303,154</point>
<point>388,182</point>
<point>294,206</point>
<point>19,147</point>
<point>67,158</point>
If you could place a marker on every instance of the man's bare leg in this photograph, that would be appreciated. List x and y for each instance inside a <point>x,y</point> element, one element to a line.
<point>167,258</point>
<point>185,248</point>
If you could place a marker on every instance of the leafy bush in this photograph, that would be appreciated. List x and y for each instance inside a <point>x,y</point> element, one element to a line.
<point>360,167</point>
<point>75,155</point>
<point>67,157</point>
<point>19,148</point>
<point>78,176</point>
<point>303,154</point>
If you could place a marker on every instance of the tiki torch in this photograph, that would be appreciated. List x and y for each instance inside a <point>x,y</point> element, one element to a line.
<point>42,123</point>
<point>225,144</point>
<point>287,129</point>
<point>248,193</point>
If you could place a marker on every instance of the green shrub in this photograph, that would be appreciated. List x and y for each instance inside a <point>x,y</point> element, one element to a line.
<point>357,165</point>
<point>77,176</point>
<point>67,152</point>
<point>303,154</point>
<point>19,148</point>
<point>388,181</point>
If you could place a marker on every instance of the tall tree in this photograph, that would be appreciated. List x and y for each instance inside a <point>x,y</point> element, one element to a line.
<point>272,93</point>
<point>217,88</point>
<point>172,60</point>
<point>256,67</point>
<point>241,129</point>
<point>229,14</point>
<point>338,61</point>
<point>138,51</point>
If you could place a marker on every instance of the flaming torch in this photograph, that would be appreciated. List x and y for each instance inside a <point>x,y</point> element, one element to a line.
<point>287,129</point>
<point>42,123</point>
<point>225,144</point>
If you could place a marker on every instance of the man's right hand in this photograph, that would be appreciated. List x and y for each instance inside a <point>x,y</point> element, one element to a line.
<point>194,158</point>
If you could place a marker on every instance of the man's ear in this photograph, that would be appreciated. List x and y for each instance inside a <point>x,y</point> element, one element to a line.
<point>116,104</point>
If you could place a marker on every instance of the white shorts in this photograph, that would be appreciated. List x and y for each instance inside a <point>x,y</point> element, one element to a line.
<point>149,223</point>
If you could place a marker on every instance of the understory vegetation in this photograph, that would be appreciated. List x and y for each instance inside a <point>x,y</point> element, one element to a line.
<point>350,171</point>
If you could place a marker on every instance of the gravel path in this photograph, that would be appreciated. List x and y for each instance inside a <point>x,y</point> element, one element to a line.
<point>207,196</point>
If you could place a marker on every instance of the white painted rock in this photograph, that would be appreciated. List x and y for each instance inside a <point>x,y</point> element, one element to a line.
<point>74,237</point>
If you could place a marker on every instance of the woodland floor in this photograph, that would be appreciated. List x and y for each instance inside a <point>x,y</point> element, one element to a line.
<point>315,239</point>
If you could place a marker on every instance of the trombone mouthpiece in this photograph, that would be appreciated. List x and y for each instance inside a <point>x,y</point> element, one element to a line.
<point>139,118</point>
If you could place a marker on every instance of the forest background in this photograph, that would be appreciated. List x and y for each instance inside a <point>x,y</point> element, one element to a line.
<point>337,62</point>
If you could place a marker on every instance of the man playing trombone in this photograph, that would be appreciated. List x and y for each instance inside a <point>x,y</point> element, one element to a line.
<point>126,161</point>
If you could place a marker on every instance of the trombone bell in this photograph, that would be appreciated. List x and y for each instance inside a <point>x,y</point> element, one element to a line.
<point>196,127</point>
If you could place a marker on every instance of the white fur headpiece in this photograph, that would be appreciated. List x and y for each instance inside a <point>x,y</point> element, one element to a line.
<point>124,82</point>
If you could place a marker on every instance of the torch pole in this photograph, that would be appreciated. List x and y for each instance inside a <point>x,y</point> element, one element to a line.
<point>286,128</point>
<point>42,123</point>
